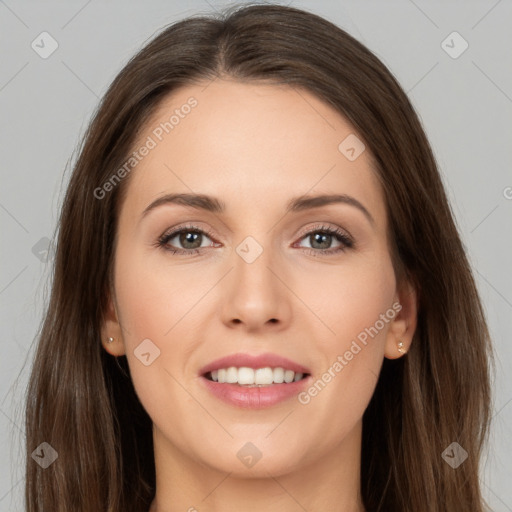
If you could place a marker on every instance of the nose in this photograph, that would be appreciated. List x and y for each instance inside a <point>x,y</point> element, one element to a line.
<point>256,296</point>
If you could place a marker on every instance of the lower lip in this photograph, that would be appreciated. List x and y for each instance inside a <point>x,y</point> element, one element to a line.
<point>257,397</point>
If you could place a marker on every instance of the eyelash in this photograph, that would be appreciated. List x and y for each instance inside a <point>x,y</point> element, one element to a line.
<point>346,241</point>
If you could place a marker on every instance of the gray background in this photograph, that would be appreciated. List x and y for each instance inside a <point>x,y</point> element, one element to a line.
<point>465,104</point>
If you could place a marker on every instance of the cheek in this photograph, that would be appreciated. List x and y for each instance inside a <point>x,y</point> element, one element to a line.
<point>359,312</point>
<point>358,300</point>
<point>354,304</point>
<point>153,304</point>
<point>153,297</point>
<point>350,297</point>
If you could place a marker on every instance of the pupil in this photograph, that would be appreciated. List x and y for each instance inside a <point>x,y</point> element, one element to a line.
<point>189,238</point>
<point>326,239</point>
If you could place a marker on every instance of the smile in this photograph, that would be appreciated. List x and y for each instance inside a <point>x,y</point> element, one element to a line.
<point>245,376</point>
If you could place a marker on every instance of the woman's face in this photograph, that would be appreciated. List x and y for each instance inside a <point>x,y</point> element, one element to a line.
<point>254,277</point>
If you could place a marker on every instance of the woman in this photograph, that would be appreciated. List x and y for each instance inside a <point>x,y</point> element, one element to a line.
<point>195,354</point>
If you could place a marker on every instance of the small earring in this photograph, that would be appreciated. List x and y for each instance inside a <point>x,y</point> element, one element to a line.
<point>401,347</point>
<point>110,340</point>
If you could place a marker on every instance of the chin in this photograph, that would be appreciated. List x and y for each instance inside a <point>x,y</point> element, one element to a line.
<point>246,460</point>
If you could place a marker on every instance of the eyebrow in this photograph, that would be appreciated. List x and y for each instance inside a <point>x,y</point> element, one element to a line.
<point>297,204</point>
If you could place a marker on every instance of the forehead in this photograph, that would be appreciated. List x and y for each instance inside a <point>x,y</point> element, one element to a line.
<point>253,145</point>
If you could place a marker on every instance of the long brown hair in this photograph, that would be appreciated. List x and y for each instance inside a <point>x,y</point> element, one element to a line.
<point>81,400</point>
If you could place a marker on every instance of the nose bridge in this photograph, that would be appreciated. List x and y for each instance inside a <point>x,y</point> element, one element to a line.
<point>252,261</point>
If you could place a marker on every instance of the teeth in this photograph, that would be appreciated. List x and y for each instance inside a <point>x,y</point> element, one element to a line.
<point>278,375</point>
<point>261,377</point>
<point>231,375</point>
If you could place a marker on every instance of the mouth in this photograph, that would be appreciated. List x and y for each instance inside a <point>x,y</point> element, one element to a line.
<point>259,388</point>
<point>259,377</point>
<point>254,381</point>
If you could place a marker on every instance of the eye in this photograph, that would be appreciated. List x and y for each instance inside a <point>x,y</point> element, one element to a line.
<point>189,237</point>
<point>322,237</point>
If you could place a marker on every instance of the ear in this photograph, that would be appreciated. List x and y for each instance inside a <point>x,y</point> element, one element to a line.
<point>111,328</point>
<point>403,325</point>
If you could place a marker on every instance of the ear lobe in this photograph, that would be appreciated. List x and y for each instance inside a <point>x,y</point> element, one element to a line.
<point>111,333</point>
<point>403,326</point>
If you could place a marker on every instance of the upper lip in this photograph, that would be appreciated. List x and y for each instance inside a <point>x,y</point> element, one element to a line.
<point>254,361</point>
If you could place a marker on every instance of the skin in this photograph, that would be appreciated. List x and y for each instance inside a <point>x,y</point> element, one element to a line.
<point>254,146</point>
